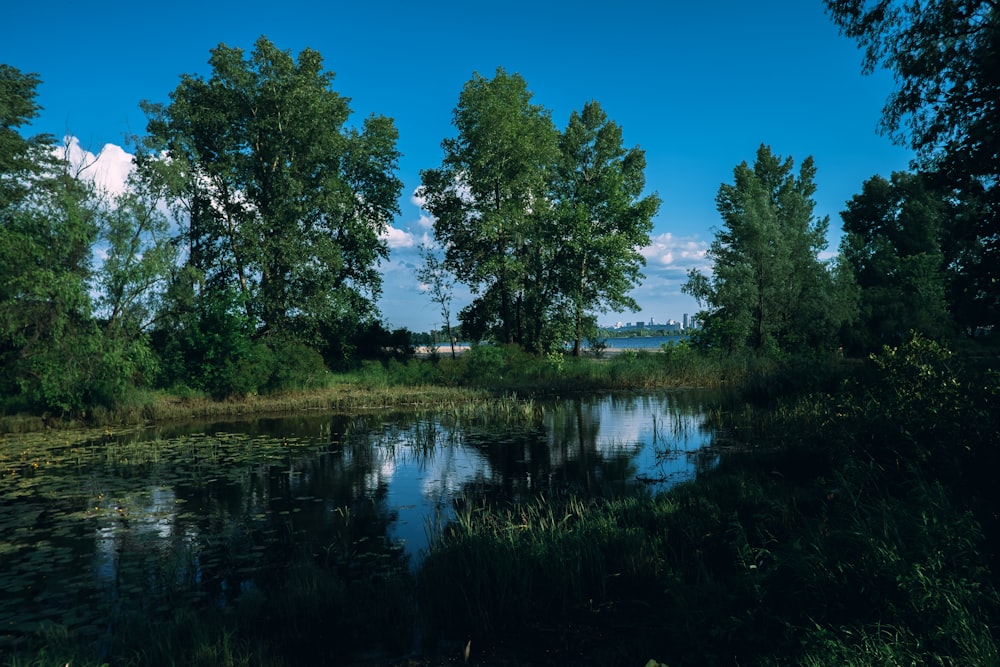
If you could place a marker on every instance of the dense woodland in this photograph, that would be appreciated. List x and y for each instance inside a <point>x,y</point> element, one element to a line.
<point>244,254</point>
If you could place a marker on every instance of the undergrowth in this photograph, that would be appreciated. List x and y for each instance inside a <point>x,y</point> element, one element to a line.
<point>855,536</point>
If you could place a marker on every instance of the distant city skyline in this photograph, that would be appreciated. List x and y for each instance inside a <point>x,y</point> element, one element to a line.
<point>685,322</point>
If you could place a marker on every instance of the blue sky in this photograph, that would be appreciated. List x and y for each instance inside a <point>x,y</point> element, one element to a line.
<point>698,86</point>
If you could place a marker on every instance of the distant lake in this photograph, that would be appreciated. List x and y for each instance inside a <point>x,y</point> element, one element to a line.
<point>642,342</point>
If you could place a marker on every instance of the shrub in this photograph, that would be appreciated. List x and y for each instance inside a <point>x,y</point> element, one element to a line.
<point>485,363</point>
<point>296,366</point>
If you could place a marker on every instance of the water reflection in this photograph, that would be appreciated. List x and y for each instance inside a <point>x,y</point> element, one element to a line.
<point>205,514</point>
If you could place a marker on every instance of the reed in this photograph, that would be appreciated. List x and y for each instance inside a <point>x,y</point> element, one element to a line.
<point>843,530</point>
<point>853,525</point>
<point>497,569</point>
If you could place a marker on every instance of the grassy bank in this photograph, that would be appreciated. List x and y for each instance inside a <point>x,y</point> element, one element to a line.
<point>344,395</point>
<point>856,528</point>
<point>480,374</point>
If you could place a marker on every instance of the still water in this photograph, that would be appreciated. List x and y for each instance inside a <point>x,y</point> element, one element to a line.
<point>642,342</point>
<point>91,524</point>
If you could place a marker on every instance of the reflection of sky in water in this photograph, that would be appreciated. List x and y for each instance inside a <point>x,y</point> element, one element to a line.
<point>654,432</point>
<point>422,484</point>
<point>209,509</point>
<point>148,515</point>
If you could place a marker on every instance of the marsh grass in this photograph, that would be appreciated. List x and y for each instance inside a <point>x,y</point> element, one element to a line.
<point>495,569</point>
<point>847,529</point>
<point>482,372</point>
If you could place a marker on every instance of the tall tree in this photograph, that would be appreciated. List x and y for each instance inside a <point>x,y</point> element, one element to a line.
<point>946,106</point>
<point>603,219</point>
<point>488,199</point>
<point>139,258</point>
<point>285,204</point>
<point>891,243</point>
<point>49,348</point>
<point>768,290</point>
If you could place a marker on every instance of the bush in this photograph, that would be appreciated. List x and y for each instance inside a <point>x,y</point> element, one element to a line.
<point>296,366</point>
<point>485,363</point>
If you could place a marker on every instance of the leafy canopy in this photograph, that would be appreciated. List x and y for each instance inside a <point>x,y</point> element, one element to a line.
<point>285,205</point>
<point>769,291</point>
<point>544,227</point>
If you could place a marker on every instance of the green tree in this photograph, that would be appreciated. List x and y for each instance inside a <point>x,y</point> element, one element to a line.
<point>23,160</point>
<point>891,244</point>
<point>943,54</point>
<point>283,203</point>
<point>50,349</point>
<point>545,227</point>
<point>603,219</point>
<point>488,199</point>
<point>970,255</point>
<point>768,291</point>
<point>139,256</point>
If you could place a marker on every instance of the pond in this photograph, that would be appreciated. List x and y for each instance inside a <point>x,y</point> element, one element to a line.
<point>203,515</point>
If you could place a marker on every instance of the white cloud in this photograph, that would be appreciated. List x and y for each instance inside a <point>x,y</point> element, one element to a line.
<point>397,238</point>
<point>108,169</point>
<point>426,220</point>
<point>667,251</point>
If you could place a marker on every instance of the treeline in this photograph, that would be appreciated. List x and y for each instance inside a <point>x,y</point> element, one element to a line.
<point>244,253</point>
<point>920,251</point>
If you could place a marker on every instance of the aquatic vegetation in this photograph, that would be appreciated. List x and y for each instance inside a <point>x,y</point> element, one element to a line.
<point>851,528</point>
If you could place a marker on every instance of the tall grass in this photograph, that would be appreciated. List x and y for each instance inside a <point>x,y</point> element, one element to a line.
<point>855,536</point>
<point>495,569</point>
<point>484,370</point>
<point>854,525</point>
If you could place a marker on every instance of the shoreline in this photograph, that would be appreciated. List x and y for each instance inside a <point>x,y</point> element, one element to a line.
<point>444,350</point>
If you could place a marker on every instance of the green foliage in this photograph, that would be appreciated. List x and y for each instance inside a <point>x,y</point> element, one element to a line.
<point>295,366</point>
<point>833,535</point>
<point>556,361</point>
<point>22,160</point>
<point>769,292</point>
<point>501,569</point>
<point>543,227</point>
<point>486,201</point>
<point>942,54</point>
<point>601,216</point>
<point>892,246</point>
<point>922,407</point>
<point>395,373</point>
<point>211,349</point>
<point>50,350</point>
<point>139,257</point>
<point>373,341</point>
<point>485,363</point>
<point>282,202</point>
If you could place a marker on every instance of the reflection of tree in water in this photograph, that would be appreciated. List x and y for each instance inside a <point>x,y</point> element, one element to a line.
<point>568,453</point>
<point>297,513</point>
<point>242,520</point>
